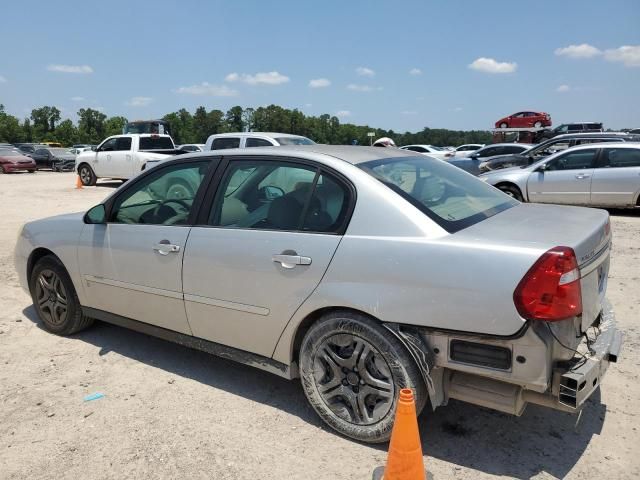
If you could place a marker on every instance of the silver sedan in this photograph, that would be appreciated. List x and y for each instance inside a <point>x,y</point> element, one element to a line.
<point>602,175</point>
<point>359,270</point>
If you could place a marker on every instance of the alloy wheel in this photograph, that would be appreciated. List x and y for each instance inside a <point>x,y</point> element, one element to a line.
<point>85,175</point>
<point>353,379</point>
<point>51,297</point>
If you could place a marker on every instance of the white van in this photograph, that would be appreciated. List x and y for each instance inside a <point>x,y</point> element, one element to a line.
<point>222,141</point>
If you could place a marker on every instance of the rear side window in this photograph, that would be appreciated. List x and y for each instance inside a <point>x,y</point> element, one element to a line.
<point>448,195</point>
<point>123,143</point>
<point>621,157</point>
<point>225,142</point>
<point>156,143</point>
<point>257,142</point>
<point>280,196</point>
<point>512,149</point>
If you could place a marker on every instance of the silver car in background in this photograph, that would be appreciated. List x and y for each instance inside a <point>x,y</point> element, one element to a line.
<point>600,174</point>
<point>359,270</point>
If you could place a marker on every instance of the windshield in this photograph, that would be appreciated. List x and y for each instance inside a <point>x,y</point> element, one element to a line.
<point>295,141</point>
<point>60,151</point>
<point>10,153</point>
<point>156,143</point>
<point>449,196</point>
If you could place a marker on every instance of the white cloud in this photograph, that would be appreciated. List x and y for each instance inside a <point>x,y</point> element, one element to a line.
<point>319,83</point>
<point>343,113</point>
<point>584,50</point>
<point>362,88</point>
<point>3,79</point>
<point>365,72</point>
<point>489,65</point>
<point>629,55</point>
<point>563,88</point>
<point>139,101</point>
<point>78,99</point>
<point>205,88</point>
<point>70,68</point>
<point>409,112</point>
<point>415,71</point>
<point>308,105</point>
<point>457,109</point>
<point>262,78</point>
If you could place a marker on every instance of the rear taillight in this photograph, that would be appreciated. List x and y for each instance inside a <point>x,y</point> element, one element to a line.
<point>550,290</point>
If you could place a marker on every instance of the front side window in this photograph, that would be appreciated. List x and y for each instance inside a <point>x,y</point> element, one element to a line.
<point>225,142</point>
<point>164,197</point>
<point>621,157</point>
<point>271,195</point>
<point>488,152</point>
<point>446,194</point>
<point>257,142</point>
<point>109,145</point>
<point>578,160</point>
<point>416,149</point>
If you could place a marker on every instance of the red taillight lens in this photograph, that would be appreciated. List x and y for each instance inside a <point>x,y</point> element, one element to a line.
<point>550,290</point>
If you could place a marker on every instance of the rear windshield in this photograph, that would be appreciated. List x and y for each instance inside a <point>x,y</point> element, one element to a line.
<point>295,141</point>
<point>449,196</point>
<point>156,143</point>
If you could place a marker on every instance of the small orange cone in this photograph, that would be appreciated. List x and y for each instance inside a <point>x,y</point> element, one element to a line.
<point>405,450</point>
<point>78,182</point>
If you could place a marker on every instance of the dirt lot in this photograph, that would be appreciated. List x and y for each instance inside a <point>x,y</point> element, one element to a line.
<point>170,412</point>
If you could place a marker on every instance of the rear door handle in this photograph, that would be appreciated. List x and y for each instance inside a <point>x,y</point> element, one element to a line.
<point>290,261</point>
<point>164,247</point>
<point>582,175</point>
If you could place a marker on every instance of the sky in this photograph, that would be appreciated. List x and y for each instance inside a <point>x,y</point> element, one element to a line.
<point>401,65</point>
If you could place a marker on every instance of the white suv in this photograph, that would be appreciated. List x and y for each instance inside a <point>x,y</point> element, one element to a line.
<point>223,141</point>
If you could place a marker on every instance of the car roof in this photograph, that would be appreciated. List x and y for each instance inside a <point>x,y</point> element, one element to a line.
<point>353,154</point>
<point>256,134</point>
<point>509,144</point>
<point>590,135</point>
<point>604,144</point>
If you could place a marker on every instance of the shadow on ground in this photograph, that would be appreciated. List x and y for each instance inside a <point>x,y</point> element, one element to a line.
<point>542,440</point>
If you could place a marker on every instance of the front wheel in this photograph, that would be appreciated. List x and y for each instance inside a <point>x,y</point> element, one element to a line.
<point>503,125</point>
<point>352,370</point>
<point>512,191</point>
<point>537,124</point>
<point>55,299</point>
<point>31,171</point>
<point>87,177</point>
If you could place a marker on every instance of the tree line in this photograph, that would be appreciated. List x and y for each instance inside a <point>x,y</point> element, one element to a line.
<point>45,124</point>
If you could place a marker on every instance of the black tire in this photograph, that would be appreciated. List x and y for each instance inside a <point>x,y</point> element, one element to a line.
<point>504,125</point>
<point>512,191</point>
<point>87,176</point>
<point>382,367</point>
<point>57,316</point>
<point>31,171</point>
<point>2,170</point>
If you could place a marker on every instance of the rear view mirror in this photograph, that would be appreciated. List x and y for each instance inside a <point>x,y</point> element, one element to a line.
<point>96,215</point>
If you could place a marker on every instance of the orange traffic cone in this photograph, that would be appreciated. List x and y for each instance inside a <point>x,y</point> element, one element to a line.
<point>78,182</point>
<point>405,450</point>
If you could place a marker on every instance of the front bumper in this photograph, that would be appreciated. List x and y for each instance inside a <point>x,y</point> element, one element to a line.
<point>19,167</point>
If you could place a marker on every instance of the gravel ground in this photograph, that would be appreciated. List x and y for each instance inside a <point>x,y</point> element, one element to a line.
<point>170,412</point>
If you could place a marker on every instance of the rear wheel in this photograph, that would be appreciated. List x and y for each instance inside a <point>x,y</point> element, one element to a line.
<point>31,171</point>
<point>352,370</point>
<point>55,299</point>
<point>503,125</point>
<point>2,170</point>
<point>538,124</point>
<point>87,177</point>
<point>512,191</point>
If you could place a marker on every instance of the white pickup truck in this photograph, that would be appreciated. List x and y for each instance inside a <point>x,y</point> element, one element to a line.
<point>123,156</point>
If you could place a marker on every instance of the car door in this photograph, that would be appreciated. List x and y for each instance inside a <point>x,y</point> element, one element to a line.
<point>121,160</point>
<point>41,157</point>
<point>264,247</point>
<point>102,159</point>
<point>565,178</point>
<point>132,265</point>
<point>616,179</point>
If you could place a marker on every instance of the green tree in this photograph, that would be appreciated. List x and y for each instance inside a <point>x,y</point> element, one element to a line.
<point>91,126</point>
<point>10,130</point>
<point>114,126</point>
<point>66,133</point>
<point>233,119</point>
<point>44,121</point>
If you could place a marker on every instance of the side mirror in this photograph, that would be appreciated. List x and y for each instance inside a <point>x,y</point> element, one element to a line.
<point>96,215</point>
<point>542,168</point>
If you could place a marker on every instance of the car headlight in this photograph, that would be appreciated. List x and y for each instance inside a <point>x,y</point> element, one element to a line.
<point>484,178</point>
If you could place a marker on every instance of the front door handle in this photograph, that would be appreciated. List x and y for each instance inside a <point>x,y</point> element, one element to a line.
<point>582,175</point>
<point>291,260</point>
<point>164,247</point>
